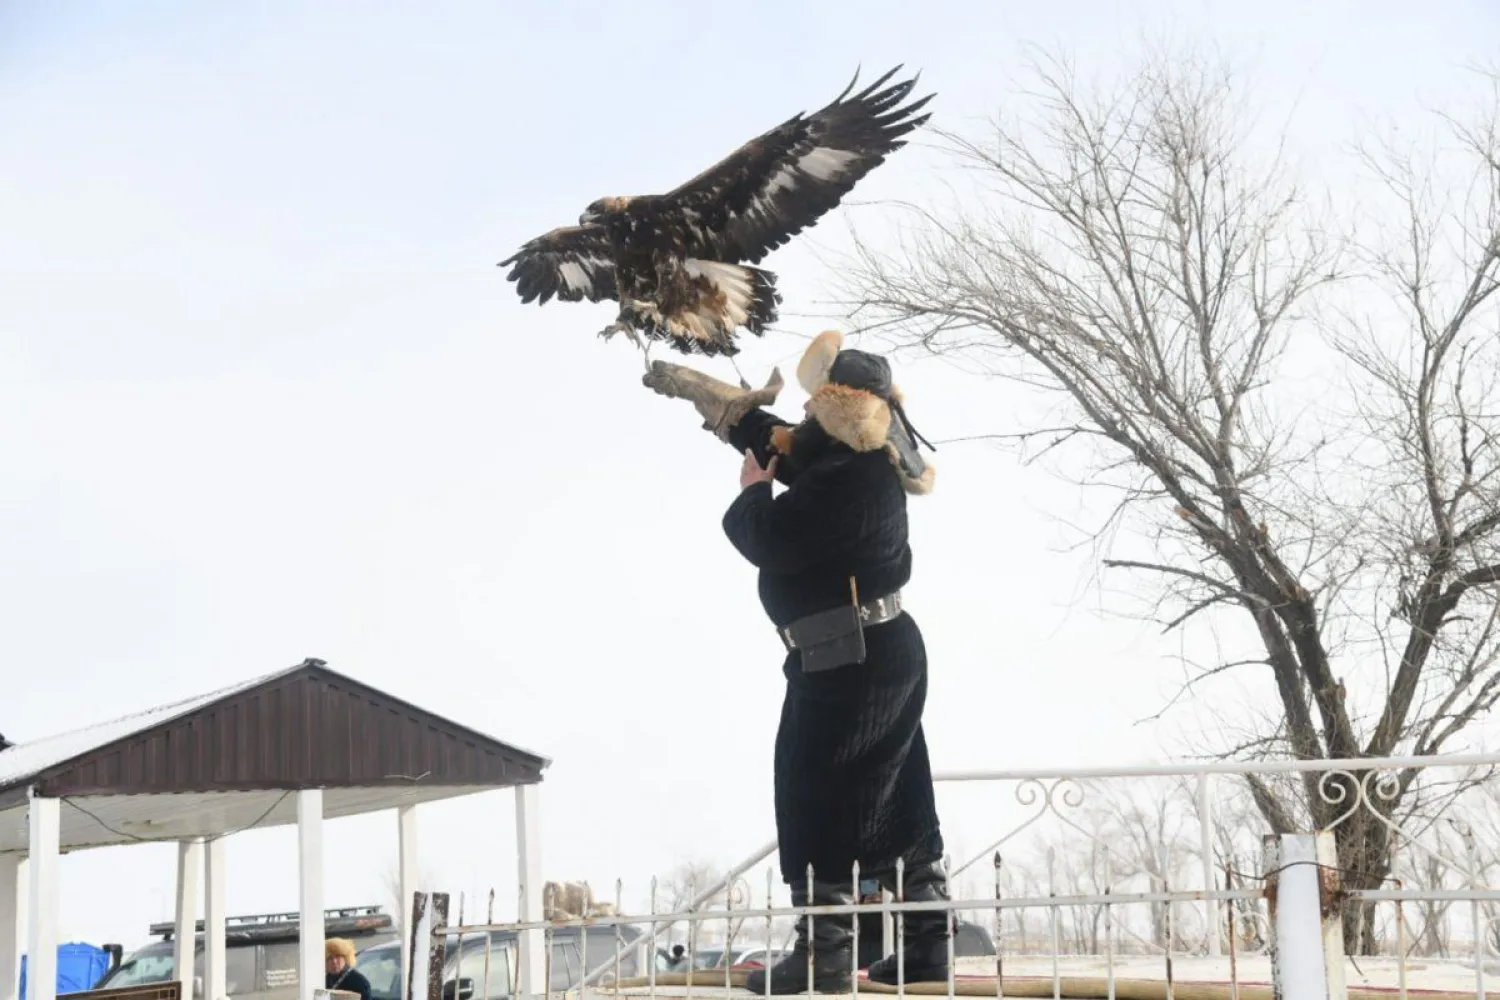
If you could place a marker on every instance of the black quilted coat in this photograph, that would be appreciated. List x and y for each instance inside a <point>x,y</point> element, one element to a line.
<point>851,769</point>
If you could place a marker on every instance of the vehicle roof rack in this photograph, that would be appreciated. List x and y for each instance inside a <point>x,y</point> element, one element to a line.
<point>346,920</point>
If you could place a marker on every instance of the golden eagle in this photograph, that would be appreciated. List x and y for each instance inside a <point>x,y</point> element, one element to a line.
<point>678,262</point>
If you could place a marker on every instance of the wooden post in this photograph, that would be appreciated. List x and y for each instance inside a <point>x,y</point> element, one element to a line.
<point>425,949</point>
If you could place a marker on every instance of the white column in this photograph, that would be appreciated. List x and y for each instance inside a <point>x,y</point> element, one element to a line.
<point>1307,959</point>
<point>406,822</point>
<point>1212,913</point>
<point>185,936</point>
<point>41,948</point>
<point>10,925</point>
<point>532,945</point>
<point>215,967</point>
<point>310,874</point>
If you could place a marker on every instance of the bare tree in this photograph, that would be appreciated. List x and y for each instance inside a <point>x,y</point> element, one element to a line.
<point>1020,880</point>
<point>690,880</point>
<point>1143,258</point>
<point>390,881</point>
<point>685,883</point>
<point>1082,872</point>
<point>1237,831</point>
<point>1428,927</point>
<point>1482,822</point>
<point>1113,839</point>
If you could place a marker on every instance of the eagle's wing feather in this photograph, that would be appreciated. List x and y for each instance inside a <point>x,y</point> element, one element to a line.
<point>779,183</point>
<point>571,262</point>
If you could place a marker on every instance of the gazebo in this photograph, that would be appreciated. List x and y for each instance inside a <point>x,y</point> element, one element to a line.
<point>296,746</point>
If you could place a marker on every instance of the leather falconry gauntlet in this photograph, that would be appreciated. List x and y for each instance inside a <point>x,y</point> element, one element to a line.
<point>720,404</point>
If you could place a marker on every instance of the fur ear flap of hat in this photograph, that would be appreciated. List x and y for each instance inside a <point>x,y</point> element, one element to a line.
<point>860,415</point>
<point>817,360</point>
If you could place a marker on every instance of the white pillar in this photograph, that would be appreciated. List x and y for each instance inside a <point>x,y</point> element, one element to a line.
<point>185,936</point>
<point>215,967</point>
<point>406,822</point>
<point>1211,909</point>
<point>310,975</point>
<point>532,950</point>
<point>10,925</point>
<point>1307,959</point>
<point>41,949</point>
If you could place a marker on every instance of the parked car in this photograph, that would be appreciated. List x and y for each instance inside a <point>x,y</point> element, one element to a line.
<point>756,958</point>
<point>470,974</point>
<point>970,940</point>
<point>260,960</point>
<point>713,957</point>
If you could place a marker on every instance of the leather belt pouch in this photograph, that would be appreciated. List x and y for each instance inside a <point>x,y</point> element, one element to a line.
<point>829,639</point>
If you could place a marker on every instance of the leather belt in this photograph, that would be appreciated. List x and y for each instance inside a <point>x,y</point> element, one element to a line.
<point>876,612</point>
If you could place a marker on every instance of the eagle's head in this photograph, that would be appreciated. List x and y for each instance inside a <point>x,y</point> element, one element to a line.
<point>597,210</point>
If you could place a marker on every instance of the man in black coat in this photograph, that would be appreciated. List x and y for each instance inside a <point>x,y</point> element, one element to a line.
<point>852,777</point>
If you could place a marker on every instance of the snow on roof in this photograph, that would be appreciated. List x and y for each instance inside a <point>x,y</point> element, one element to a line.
<point>23,760</point>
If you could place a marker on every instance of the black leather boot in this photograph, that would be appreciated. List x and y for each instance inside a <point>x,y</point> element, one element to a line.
<point>832,947</point>
<point>926,933</point>
<point>871,938</point>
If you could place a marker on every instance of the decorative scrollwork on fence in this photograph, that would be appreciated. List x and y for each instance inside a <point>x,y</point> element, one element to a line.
<point>1376,795</point>
<point>738,893</point>
<point>1041,797</point>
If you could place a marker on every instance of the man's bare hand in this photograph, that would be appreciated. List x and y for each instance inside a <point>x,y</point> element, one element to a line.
<point>751,472</point>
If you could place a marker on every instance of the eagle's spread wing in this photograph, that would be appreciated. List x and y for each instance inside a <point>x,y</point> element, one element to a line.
<point>572,262</point>
<point>770,189</point>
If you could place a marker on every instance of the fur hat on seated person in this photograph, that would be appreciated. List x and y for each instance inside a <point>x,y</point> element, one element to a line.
<point>852,397</point>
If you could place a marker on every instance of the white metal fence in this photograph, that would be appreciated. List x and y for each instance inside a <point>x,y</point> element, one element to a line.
<point>1128,883</point>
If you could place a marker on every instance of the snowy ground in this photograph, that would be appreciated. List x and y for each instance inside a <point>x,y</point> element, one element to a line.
<point>1376,973</point>
<point>1422,975</point>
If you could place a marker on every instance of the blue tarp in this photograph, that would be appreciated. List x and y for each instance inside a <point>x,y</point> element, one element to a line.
<point>79,967</point>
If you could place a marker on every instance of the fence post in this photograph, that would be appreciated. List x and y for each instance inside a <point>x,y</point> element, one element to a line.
<point>426,953</point>
<point>1305,894</point>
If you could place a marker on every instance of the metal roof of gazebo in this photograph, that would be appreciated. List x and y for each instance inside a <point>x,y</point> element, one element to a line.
<point>295,746</point>
<point>229,760</point>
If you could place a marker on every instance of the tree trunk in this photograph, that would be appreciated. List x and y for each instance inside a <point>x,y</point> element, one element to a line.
<point>1364,858</point>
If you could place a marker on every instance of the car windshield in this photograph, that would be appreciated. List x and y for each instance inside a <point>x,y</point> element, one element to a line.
<point>382,967</point>
<point>151,964</point>
<point>707,958</point>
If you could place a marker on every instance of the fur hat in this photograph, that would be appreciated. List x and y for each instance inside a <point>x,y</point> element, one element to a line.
<point>854,399</point>
<point>341,947</point>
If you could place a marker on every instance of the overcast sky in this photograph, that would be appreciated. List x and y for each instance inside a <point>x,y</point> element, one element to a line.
<point>264,395</point>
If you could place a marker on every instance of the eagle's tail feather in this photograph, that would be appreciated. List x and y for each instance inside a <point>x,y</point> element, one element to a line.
<point>720,299</point>
<point>750,297</point>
